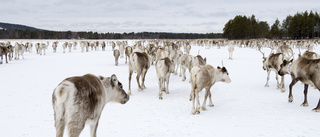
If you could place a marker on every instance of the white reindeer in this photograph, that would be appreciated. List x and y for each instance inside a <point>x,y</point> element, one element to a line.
<point>205,76</point>
<point>164,68</point>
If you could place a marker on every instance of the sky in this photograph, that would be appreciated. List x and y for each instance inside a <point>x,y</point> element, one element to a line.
<point>178,16</point>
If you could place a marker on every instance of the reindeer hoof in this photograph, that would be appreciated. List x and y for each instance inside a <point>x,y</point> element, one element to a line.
<point>203,108</point>
<point>193,112</point>
<point>316,110</point>
<point>160,98</point>
<point>211,105</point>
<point>304,104</point>
<point>290,99</point>
<point>198,112</point>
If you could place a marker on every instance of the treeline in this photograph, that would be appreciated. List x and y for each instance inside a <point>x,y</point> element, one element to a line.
<point>44,34</point>
<point>300,26</point>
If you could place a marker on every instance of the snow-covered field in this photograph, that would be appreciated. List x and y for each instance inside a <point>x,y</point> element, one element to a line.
<point>242,108</point>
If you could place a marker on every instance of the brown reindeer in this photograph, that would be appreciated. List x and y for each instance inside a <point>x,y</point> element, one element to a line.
<point>140,63</point>
<point>79,100</point>
<point>3,52</point>
<point>307,71</point>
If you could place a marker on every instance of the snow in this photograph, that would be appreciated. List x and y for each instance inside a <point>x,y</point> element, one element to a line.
<point>242,108</point>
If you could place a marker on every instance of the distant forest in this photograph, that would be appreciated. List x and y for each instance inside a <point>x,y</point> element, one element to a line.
<point>12,31</point>
<point>303,25</point>
<point>300,26</point>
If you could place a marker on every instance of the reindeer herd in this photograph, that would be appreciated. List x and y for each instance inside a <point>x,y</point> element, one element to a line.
<point>78,100</point>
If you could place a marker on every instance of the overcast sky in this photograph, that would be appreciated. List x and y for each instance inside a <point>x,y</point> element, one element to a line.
<point>195,16</point>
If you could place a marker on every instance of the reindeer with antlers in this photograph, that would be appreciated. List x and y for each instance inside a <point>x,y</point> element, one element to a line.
<point>273,63</point>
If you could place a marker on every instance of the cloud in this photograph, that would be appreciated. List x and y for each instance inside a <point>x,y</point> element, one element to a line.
<point>145,15</point>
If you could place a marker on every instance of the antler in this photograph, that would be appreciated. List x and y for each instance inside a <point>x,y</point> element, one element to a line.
<point>262,53</point>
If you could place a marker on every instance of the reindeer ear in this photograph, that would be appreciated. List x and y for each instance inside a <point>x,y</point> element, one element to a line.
<point>113,80</point>
<point>224,69</point>
<point>218,67</point>
<point>101,78</point>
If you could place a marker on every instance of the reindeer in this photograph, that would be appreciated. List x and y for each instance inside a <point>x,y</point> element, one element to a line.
<point>140,63</point>
<point>231,49</point>
<point>80,100</point>
<point>43,47</point>
<point>116,54</point>
<point>164,68</point>
<point>69,46</point>
<point>286,50</point>
<point>128,52</point>
<point>75,45</point>
<point>205,76</point>
<point>103,45</point>
<point>310,55</point>
<point>3,52</point>
<point>54,46</point>
<point>185,63</point>
<point>64,46</point>
<point>273,63</point>
<point>19,49</point>
<point>29,47</point>
<point>307,71</point>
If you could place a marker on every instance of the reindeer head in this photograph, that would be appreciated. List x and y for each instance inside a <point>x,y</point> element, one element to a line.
<point>225,75</point>
<point>114,89</point>
<point>284,67</point>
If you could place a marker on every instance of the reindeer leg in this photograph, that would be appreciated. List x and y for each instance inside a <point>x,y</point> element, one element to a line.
<point>75,127</point>
<point>198,103</point>
<point>160,91</point>
<point>183,74</point>
<point>210,103</point>
<point>167,81</point>
<point>144,72</point>
<point>193,111</point>
<point>268,77</point>
<point>305,102</point>
<point>317,109</point>
<point>138,81</point>
<point>205,100</point>
<point>293,82</point>
<point>129,90</point>
<point>93,128</point>
<point>278,84</point>
<point>282,84</point>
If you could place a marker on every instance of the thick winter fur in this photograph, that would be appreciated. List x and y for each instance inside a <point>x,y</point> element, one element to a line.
<point>205,76</point>
<point>140,63</point>
<point>80,100</point>
<point>307,71</point>
<point>273,63</point>
<point>164,68</point>
<point>310,55</point>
